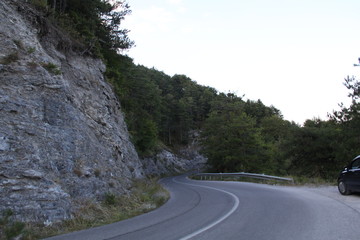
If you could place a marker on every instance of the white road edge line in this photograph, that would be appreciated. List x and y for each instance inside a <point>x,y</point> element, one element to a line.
<point>233,209</point>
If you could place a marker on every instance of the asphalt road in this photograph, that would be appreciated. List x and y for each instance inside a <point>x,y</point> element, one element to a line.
<point>235,210</point>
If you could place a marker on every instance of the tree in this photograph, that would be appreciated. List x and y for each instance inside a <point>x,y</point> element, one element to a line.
<point>313,150</point>
<point>352,112</point>
<point>259,111</point>
<point>233,143</point>
<point>146,137</point>
<point>97,23</point>
<point>348,120</point>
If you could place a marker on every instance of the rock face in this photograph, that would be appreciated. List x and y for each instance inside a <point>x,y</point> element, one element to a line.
<point>166,162</point>
<point>62,133</point>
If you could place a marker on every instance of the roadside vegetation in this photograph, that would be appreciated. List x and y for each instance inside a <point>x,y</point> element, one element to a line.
<point>10,229</point>
<point>146,195</point>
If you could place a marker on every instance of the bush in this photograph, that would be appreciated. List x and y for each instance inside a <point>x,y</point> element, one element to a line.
<point>110,199</point>
<point>52,68</point>
<point>10,229</point>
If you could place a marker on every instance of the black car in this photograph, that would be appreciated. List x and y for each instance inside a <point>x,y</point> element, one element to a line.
<point>349,178</point>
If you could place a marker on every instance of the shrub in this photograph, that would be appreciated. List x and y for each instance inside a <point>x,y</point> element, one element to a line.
<point>31,50</point>
<point>110,199</point>
<point>10,229</point>
<point>52,68</point>
<point>14,229</point>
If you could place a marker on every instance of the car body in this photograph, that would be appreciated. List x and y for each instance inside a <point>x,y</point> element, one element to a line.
<point>349,177</point>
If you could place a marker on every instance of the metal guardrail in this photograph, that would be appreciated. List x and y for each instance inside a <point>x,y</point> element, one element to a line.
<point>242,174</point>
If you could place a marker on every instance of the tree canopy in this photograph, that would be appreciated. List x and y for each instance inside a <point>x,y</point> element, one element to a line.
<point>96,23</point>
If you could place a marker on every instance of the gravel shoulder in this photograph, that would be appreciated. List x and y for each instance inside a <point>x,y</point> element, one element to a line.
<point>352,201</point>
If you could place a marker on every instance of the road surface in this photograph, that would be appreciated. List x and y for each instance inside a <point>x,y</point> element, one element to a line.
<point>235,210</point>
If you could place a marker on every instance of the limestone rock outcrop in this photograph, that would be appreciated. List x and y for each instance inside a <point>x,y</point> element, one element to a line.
<point>62,133</point>
<point>188,158</point>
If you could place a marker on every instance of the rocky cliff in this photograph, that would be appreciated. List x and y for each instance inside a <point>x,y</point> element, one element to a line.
<point>63,138</point>
<point>62,132</point>
<point>187,158</point>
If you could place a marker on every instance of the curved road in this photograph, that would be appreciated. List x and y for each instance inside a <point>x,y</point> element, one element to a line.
<point>234,210</point>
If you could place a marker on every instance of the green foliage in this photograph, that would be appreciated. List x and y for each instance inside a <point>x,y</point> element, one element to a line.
<point>233,143</point>
<point>158,108</point>
<point>348,120</point>
<point>52,68</point>
<point>98,23</point>
<point>14,230</point>
<point>110,199</point>
<point>31,50</point>
<point>10,229</point>
<point>321,148</point>
<point>313,150</point>
<point>318,150</point>
<point>148,132</point>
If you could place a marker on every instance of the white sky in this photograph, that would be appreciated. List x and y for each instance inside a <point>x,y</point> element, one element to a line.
<point>292,54</point>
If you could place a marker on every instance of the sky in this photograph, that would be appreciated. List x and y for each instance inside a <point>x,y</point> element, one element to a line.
<point>290,54</point>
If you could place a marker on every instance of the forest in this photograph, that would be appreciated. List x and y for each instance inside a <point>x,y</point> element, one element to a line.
<point>236,134</point>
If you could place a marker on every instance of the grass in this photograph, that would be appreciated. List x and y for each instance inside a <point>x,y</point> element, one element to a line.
<point>146,195</point>
<point>315,181</point>
<point>52,68</point>
<point>31,50</point>
<point>10,229</point>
